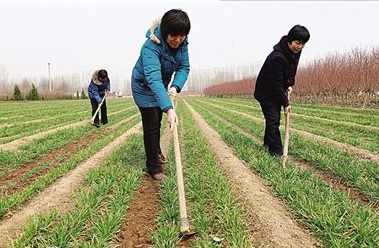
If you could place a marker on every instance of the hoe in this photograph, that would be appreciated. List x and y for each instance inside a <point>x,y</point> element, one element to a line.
<point>286,138</point>
<point>184,224</point>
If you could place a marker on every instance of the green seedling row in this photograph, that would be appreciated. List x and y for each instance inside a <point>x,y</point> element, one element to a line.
<point>45,108</point>
<point>358,136</point>
<point>36,148</point>
<point>214,210</point>
<point>13,132</point>
<point>14,112</point>
<point>99,207</point>
<point>331,215</point>
<point>8,202</point>
<point>368,117</point>
<point>363,174</point>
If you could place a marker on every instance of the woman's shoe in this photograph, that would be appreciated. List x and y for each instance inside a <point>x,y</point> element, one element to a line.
<point>159,176</point>
<point>95,124</point>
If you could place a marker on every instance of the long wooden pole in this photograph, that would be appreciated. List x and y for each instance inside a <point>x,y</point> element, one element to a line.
<point>286,138</point>
<point>184,224</point>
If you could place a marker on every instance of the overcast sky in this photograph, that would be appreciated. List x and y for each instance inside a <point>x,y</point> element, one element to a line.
<point>79,36</point>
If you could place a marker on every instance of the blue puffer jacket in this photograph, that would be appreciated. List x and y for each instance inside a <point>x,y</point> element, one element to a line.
<point>96,88</point>
<point>154,69</point>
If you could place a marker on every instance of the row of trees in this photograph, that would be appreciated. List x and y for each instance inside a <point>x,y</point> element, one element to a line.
<point>351,78</point>
<point>59,87</point>
<point>65,86</point>
<point>33,94</point>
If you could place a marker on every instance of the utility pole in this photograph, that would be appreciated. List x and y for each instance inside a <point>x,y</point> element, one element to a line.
<point>48,67</point>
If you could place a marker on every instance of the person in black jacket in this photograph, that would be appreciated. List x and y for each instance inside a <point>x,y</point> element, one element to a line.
<point>275,81</point>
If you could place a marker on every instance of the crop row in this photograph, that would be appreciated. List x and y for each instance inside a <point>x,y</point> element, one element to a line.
<point>63,162</point>
<point>364,174</point>
<point>214,210</point>
<point>26,111</point>
<point>368,117</point>
<point>23,127</point>
<point>330,214</point>
<point>104,197</point>
<point>357,136</point>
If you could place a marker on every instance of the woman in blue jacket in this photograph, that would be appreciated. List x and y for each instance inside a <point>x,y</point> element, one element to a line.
<point>163,55</point>
<point>97,88</point>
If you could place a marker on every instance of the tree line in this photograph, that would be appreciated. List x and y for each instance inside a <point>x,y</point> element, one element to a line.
<point>350,79</point>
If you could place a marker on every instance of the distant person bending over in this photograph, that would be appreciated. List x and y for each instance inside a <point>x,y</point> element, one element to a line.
<point>163,54</point>
<point>97,88</point>
<point>275,81</point>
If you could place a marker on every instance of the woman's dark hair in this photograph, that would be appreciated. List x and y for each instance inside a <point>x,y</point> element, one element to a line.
<point>299,33</point>
<point>103,75</point>
<point>175,22</point>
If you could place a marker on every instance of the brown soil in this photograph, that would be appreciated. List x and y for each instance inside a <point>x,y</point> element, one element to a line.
<point>14,177</point>
<point>140,218</point>
<point>57,196</point>
<point>272,224</point>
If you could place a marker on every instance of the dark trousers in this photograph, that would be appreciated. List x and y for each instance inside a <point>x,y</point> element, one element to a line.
<point>151,122</point>
<point>272,139</point>
<point>103,110</point>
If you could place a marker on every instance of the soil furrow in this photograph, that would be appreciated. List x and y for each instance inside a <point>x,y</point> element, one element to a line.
<point>141,216</point>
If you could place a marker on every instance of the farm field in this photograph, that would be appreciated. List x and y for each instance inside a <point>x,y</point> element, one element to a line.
<point>65,183</point>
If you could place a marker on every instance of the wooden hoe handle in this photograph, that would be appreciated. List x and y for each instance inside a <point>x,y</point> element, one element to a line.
<point>184,224</point>
<point>286,137</point>
<point>98,108</point>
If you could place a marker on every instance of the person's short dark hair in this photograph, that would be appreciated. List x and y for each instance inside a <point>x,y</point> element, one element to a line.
<point>103,75</point>
<point>175,22</point>
<point>299,33</point>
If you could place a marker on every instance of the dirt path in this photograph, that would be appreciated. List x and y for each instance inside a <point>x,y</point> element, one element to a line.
<point>13,145</point>
<point>140,219</point>
<point>57,196</point>
<point>273,225</point>
<point>349,148</point>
